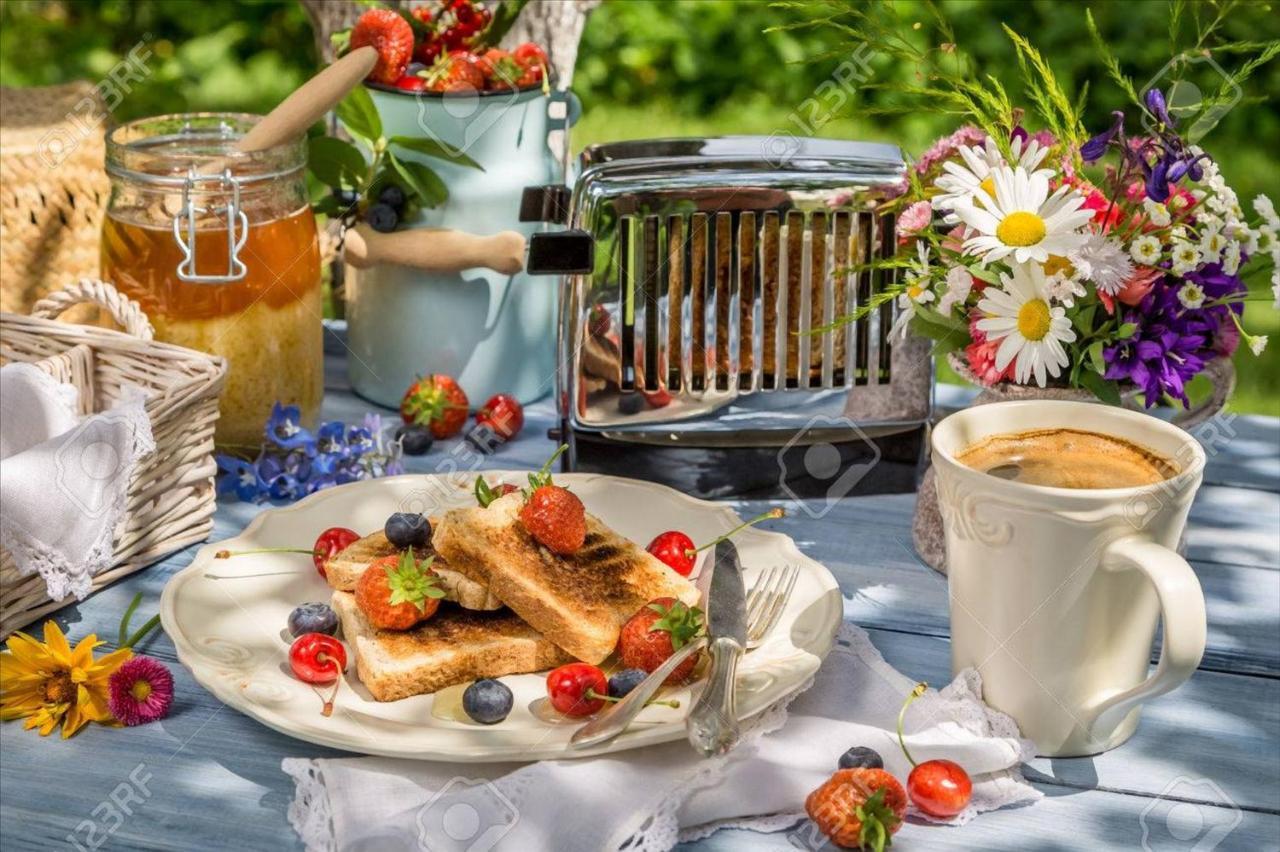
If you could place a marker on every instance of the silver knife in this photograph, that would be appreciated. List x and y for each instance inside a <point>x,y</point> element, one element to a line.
<point>712,725</point>
<point>615,719</point>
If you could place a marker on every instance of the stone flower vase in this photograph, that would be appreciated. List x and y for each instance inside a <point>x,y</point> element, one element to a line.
<point>926,525</point>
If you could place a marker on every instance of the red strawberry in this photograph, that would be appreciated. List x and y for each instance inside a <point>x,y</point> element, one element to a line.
<point>657,631</point>
<point>391,36</point>
<point>530,55</point>
<point>556,518</point>
<point>858,808</point>
<point>396,592</point>
<point>501,71</point>
<point>411,83</point>
<point>455,72</point>
<point>503,414</point>
<point>436,402</point>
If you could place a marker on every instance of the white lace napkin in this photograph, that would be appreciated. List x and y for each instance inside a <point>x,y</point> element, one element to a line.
<point>64,479</point>
<point>648,799</point>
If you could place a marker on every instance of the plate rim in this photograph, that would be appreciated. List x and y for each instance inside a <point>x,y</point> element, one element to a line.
<point>223,688</point>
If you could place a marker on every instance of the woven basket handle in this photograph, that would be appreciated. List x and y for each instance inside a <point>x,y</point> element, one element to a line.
<point>126,312</point>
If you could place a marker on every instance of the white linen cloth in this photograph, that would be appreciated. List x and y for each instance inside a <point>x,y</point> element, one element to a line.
<point>64,479</point>
<point>650,798</point>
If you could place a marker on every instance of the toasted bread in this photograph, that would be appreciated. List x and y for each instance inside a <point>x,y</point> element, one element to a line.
<point>581,601</point>
<point>344,569</point>
<point>454,646</point>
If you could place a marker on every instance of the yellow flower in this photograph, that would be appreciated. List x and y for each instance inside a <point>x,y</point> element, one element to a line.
<point>49,682</point>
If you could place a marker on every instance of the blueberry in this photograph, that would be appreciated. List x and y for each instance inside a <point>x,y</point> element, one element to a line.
<point>415,440</point>
<point>313,618</point>
<point>631,403</point>
<point>407,529</point>
<point>625,681</point>
<point>392,196</point>
<point>487,701</point>
<point>484,439</point>
<point>346,197</point>
<point>861,757</point>
<point>382,218</point>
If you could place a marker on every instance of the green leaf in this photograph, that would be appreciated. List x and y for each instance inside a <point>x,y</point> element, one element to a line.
<point>421,181</point>
<point>1083,321</point>
<point>1126,330</point>
<point>336,163</point>
<point>1095,357</point>
<point>986,275</point>
<point>432,148</point>
<point>1104,390</point>
<point>358,114</point>
<point>503,17</point>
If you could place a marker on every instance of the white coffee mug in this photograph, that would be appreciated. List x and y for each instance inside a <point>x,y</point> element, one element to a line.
<point>1055,592</point>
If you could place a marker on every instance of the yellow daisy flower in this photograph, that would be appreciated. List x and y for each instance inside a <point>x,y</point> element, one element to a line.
<point>50,682</point>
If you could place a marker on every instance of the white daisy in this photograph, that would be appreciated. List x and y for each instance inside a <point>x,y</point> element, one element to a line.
<point>959,285</point>
<point>1191,295</point>
<point>1157,213</point>
<point>1178,232</point>
<point>1212,242</point>
<point>918,292</point>
<point>1146,250</point>
<point>1030,330</point>
<point>1022,219</point>
<point>1186,257</point>
<point>1104,262</point>
<point>1063,288</point>
<point>960,182</point>
<point>1266,210</point>
<point>1231,259</point>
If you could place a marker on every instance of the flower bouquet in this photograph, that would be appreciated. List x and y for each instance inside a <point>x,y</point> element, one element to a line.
<point>1110,263</point>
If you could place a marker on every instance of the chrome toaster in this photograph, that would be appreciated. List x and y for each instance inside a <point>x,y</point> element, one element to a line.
<point>687,349</point>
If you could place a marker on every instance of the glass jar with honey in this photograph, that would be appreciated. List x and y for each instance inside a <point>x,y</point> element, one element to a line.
<point>220,248</point>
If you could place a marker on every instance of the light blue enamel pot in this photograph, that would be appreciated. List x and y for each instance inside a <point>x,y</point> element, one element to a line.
<point>450,302</point>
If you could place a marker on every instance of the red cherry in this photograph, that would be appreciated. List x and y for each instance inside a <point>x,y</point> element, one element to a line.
<point>317,658</point>
<point>940,788</point>
<point>676,550</point>
<point>411,83</point>
<point>329,543</point>
<point>573,689</point>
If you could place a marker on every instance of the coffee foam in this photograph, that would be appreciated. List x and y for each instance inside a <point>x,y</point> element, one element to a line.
<point>1067,458</point>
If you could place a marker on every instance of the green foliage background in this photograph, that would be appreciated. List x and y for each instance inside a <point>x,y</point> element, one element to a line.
<point>691,67</point>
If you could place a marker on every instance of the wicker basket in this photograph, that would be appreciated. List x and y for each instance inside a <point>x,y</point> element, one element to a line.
<point>171,494</point>
<point>53,192</point>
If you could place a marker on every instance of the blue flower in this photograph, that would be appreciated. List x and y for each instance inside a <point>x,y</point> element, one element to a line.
<point>1154,100</point>
<point>332,437</point>
<point>239,477</point>
<point>359,440</point>
<point>284,487</point>
<point>284,429</point>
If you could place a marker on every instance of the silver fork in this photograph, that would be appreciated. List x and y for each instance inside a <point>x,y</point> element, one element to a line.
<point>765,603</point>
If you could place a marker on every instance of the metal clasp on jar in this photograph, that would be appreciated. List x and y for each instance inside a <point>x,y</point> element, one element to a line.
<point>219,185</point>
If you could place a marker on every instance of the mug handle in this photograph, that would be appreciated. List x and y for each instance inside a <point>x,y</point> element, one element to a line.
<point>1221,373</point>
<point>1181,611</point>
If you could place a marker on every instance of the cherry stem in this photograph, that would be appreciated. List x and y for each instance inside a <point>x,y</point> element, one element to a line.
<point>763,516</point>
<point>546,466</point>
<point>670,702</point>
<point>227,554</point>
<point>902,714</point>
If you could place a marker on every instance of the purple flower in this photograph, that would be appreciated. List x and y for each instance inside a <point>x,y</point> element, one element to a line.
<point>284,487</point>
<point>360,440</point>
<point>238,477</point>
<point>141,691</point>
<point>1168,348</point>
<point>284,429</point>
<point>1154,100</point>
<point>1093,150</point>
<point>332,437</point>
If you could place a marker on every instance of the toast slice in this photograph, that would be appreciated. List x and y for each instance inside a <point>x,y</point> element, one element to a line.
<point>454,646</point>
<point>579,602</point>
<point>344,569</point>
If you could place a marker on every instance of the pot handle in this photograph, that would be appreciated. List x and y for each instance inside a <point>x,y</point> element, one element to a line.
<point>1221,373</point>
<point>435,249</point>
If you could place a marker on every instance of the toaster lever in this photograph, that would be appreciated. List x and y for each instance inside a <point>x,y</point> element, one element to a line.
<point>548,203</point>
<point>567,252</point>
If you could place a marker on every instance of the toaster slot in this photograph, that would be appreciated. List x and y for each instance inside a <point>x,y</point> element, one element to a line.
<point>677,247</point>
<point>652,280</point>
<point>795,298</point>
<point>819,309</point>
<point>626,306</point>
<point>723,253</point>
<point>842,338</point>
<point>884,279</point>
<point>698,302</point>
<point>862,252</point>
<point>747,272</point>
<point>770,271</point>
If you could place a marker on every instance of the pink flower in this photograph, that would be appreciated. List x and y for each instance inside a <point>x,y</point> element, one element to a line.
<point>141,691</point>
<point>915,219</point>
<point>1134,290</point>
<point>981,354</point>
<point>1227,338</point>
<point>954,240</point>
<point>947,146</point>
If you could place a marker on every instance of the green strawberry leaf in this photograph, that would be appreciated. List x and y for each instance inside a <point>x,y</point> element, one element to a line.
<point>433,148</point>
<point>360,117</point>
<point>336,163</point>
<point>679,619</point>
<point>542,476</point>
<point>878,821</point>
<point>484,494</point>
<point>412,582</point>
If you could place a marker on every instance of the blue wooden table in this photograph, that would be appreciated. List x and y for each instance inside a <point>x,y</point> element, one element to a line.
<point>1204,768</point>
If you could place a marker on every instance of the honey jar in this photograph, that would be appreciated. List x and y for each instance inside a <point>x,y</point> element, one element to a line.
<point>220,248</point>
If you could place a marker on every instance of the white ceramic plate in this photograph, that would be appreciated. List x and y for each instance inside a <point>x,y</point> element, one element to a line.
<point>227,619</point>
